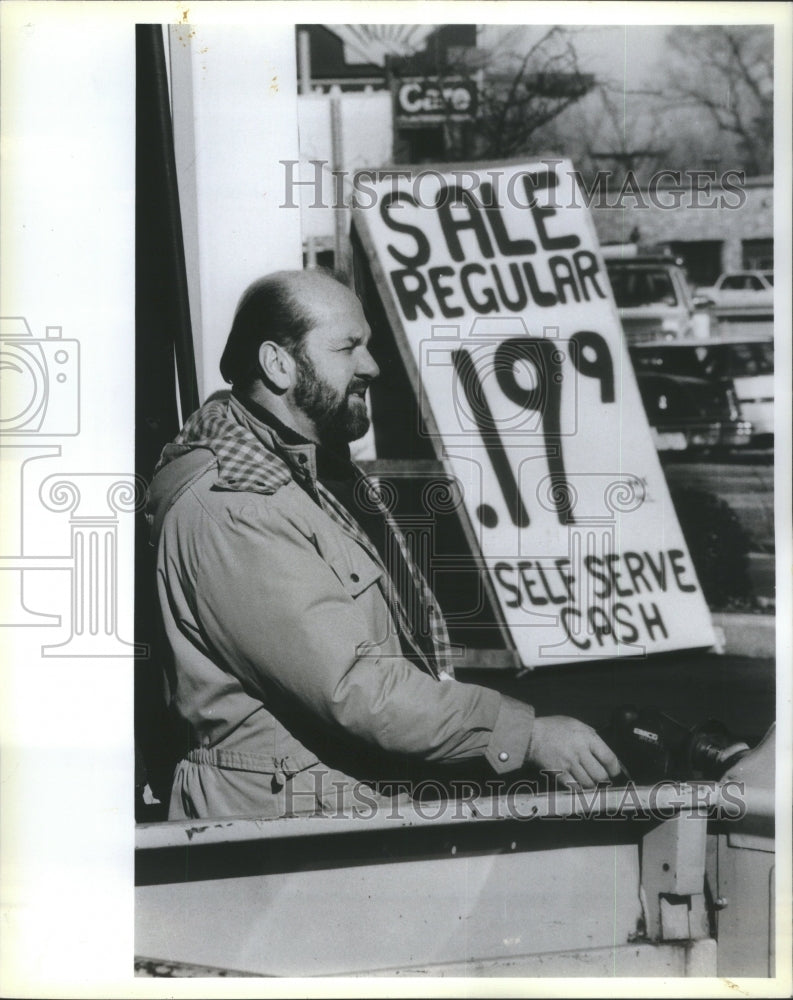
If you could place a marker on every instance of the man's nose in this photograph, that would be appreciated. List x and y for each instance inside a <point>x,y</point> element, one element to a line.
<point>368,367</point>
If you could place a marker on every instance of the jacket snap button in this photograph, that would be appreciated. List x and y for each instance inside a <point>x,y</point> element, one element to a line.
<point>354,577</point>
<point>503,756</point>
<point>302,459</point>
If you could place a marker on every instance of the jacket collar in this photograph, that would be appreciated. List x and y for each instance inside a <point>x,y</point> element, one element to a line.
<point>251,456</point>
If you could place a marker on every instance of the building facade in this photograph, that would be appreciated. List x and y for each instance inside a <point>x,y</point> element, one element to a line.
<point>714,225</point>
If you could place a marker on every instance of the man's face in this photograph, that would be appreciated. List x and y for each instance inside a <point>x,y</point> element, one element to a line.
<point>334,368</point>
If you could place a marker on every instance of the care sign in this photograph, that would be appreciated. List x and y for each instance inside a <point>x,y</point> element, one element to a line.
<point>429,101</point>
<point>496,289</point>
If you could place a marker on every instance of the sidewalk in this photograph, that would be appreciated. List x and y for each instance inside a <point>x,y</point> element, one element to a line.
<point>747,634</point>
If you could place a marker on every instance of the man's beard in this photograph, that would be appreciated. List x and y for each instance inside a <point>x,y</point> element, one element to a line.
<point>338,418</point>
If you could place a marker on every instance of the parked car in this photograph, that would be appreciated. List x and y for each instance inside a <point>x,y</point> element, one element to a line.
<point>741,290</point>
<point>654,298</point>
<point>746,365</point>
<point>687,410</point>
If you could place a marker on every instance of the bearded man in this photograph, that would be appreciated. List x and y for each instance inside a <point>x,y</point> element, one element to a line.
<point>309,661</point>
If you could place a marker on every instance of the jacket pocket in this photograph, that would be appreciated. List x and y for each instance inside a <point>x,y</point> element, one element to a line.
<point>356,572</point>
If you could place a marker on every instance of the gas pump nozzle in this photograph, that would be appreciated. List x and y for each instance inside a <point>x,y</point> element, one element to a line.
<point>653,746</point>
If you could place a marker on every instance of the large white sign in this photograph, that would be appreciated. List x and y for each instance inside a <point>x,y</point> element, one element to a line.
<point>494,280</point>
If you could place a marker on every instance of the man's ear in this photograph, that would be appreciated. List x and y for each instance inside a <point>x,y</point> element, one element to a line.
<point>277,365</point>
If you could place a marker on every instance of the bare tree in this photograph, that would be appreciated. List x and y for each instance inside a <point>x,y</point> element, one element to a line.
<point>523,92</point>
<point>726,72</point>
<point>615,129</point>
<point>524,79</point>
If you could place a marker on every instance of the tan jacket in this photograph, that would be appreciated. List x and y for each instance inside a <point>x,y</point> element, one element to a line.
<point>286,659</point>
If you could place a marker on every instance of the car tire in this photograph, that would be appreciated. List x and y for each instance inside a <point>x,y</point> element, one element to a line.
<point>719,546</point>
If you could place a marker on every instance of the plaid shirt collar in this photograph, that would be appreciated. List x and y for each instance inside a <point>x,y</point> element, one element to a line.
<point>251,457</point>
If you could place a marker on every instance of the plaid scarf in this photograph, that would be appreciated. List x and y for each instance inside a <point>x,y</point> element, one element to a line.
<point>252,458</point>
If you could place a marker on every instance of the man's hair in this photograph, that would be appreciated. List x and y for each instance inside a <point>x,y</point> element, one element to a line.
<point>267,311</point>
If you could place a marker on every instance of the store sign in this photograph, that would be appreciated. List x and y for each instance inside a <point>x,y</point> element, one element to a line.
<point>496,289</point>
<point>428,101</point>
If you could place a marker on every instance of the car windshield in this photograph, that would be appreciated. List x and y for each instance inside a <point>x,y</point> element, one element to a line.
<point>670,360</point>
<point>742,283</point>
<point>641,286</point>
<point>751,359</point>
<point>738,360</point>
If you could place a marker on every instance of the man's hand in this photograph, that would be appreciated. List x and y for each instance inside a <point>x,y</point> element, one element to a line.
<point>560,743</point>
